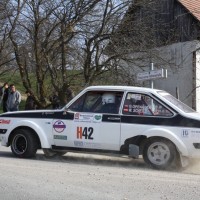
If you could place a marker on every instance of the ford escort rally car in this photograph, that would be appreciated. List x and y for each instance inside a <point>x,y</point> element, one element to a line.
<point>125,120</point>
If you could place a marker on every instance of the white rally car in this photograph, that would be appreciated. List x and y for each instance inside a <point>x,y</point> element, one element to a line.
<point>125,120</point>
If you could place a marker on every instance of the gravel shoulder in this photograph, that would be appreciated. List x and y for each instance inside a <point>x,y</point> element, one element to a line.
<point>85,177</point>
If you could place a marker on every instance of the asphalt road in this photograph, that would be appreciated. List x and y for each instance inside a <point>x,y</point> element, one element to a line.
<point>92,177</point>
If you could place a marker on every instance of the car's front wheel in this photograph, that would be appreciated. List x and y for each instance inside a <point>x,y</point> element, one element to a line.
<point>24,143</point>
<point>159,153</point>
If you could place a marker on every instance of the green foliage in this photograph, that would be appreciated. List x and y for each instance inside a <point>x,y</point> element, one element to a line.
<point>13,78</point>
<point>106,78</point>
<point>22,105</point>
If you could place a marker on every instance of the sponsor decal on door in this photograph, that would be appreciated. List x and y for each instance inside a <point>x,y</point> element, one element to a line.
<point>59,126</point>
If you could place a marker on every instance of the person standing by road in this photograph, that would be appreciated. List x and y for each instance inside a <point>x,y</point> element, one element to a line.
<point>14,99</point>
<point>54,99</point>
<point>30,102</point>
<point>4,97</point>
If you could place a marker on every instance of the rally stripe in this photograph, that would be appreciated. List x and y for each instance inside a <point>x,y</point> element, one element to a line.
<point>38,115</point>
<point>177,120</point>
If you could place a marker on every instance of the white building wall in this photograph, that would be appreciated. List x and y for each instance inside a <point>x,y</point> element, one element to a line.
<point>197,80</point>
<point>182,60</point>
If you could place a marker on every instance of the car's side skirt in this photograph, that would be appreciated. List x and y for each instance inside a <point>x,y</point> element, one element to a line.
<point>73,149</point>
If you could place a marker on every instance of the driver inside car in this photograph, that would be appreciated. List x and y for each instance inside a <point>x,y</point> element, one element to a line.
<point>108,103</point>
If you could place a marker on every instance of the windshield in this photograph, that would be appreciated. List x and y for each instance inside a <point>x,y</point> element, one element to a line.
<point>176,102</point>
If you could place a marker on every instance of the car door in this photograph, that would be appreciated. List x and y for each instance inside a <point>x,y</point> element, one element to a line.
<point>141,112</point>
<point>95,123</point>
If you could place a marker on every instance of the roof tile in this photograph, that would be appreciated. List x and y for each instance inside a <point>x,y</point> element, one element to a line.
<point>193,6</point>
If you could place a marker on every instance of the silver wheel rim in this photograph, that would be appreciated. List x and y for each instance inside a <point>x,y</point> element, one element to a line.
<point>19,144</point>
<point>158,153</point>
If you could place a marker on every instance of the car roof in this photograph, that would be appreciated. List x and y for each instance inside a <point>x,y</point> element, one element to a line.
<point>119,87</point>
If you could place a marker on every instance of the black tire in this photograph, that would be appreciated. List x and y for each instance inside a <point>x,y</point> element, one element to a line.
<point>159,153</point>
<point>51,153</point>
<point>24,143</point>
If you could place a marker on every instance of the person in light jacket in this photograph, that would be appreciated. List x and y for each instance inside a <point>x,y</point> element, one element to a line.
<point>14,99</point>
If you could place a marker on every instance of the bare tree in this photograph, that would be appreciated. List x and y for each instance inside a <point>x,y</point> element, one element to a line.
<point>63,69</point>
<point>95,34</point>
<point>41,31</point>
<point>6,58</point>
<point>60,43</point>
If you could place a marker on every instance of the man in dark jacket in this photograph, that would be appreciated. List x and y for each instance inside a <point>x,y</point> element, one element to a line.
<point>55,102</point>
<point>30,102</point>
<point>4,97</point>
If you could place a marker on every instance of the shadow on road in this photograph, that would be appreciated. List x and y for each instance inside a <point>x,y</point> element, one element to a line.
<point>88,159</point>
<point>6,154</point>
<point>82,158</point>
<point>100,160</point>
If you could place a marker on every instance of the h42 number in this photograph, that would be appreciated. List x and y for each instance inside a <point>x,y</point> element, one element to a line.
<point>85,132</point>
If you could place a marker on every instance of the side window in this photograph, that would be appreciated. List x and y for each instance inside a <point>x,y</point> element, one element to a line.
<point>77,106</point>
<point>86,102</point>
<point>98,102</point>
<point>92,101</point>
<point>141,104</point>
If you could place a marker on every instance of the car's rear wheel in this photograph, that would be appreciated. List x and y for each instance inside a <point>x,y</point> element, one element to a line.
<point>50,152</point>
<point>159,153</point>
<point>24,143</point>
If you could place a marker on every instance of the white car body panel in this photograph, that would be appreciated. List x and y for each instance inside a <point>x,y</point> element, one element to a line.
<point>106,134</point>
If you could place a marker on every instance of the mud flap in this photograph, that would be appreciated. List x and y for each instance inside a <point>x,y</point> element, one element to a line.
<point>133,151</point>
<point>184,161</point>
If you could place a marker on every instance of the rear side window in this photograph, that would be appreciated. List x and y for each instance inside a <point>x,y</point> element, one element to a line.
<point>142,104</point>
<point>176,102</point>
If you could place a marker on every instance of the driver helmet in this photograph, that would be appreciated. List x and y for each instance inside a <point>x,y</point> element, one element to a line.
<point>108,98</point>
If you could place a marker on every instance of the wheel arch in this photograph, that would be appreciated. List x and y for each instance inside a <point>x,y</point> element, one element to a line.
<point>45,141</point>
<point>137,140</point>
<point>169,135</point>
<point>167,158</point>
<point>140,140</point>
<point>156,137</point>
<point>25,128</point>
